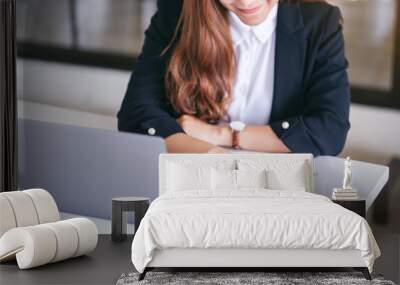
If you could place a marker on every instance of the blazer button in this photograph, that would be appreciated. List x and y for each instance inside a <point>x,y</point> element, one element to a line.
<point>151,131</point>
<point>285,125</point>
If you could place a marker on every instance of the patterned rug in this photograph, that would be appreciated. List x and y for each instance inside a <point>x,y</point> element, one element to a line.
<point>244,278</point>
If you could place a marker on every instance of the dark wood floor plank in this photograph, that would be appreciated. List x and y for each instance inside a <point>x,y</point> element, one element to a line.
<point>103,266</point>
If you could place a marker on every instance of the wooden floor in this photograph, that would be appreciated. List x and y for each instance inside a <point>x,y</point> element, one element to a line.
<point>103,266</point>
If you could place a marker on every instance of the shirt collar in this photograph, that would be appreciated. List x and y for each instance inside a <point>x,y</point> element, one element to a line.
<point>262,31</point>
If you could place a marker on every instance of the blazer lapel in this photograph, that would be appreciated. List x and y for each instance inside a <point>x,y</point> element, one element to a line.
<point>289,59</point>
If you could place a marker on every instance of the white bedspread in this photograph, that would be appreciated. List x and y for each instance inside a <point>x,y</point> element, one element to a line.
<point>250,219</point>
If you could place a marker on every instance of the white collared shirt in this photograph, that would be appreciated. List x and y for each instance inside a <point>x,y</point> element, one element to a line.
<point>253,86</point>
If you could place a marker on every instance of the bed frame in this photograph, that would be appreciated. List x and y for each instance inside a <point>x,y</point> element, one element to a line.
<point>236,259</point>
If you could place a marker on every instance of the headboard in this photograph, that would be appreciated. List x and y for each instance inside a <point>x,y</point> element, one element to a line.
<point>213,159</point>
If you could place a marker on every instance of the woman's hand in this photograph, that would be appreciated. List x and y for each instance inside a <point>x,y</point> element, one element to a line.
<point>214,134</point>
<point>183,143</point>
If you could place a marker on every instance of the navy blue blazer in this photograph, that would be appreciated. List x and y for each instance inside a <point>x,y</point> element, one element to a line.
<point>311,88</point>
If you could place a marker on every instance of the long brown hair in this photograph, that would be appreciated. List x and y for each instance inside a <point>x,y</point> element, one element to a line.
<point>201,69</point>
<point>202,66</point>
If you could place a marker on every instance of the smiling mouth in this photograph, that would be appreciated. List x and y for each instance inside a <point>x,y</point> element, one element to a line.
<point>249,11</point>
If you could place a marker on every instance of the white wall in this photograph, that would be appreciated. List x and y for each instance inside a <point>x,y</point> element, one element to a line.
<point>374,134</point>
<point>70,94</point>
<point>91,97</point>
<point>88,89</point>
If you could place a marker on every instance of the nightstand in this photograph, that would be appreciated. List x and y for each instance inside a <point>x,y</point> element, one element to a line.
<point>357,206</point>
<point>120,207</point>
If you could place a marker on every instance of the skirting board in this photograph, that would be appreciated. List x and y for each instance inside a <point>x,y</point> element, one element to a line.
<point>103,225</point>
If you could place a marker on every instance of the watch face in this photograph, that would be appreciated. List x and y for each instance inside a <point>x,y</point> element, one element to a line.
<point>237,126</point>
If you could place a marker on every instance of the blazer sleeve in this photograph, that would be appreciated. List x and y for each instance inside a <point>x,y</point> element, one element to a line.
<point>145,106</point>
<point>322,127</point>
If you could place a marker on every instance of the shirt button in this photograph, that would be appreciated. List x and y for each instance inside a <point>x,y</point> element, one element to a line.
<point>285,125</point>
<point>151,131</point>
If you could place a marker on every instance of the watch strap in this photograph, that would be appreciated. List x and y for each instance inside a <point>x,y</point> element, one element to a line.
<point>235,139</point>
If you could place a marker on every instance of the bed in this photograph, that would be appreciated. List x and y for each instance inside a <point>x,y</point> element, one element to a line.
<point>247,211</point>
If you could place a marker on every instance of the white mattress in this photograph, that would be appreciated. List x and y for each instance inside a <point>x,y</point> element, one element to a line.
<point>253,218</point>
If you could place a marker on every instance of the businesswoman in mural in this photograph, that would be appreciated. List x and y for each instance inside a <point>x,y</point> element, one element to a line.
<point>260,75</point>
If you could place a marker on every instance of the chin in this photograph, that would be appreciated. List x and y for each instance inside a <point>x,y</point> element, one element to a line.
<point>251,21</point>
<point>254,19</point>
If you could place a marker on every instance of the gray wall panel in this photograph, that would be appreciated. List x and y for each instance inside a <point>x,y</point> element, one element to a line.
<point>83,168</point>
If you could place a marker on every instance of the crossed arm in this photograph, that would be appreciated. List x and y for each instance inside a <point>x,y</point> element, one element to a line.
<point>202,137</point>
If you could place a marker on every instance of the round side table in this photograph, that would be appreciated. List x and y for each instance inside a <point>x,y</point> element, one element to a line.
<point>120,207</point>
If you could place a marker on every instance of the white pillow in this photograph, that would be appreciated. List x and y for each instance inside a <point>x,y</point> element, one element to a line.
<point>223,179</point>
<point>293,179</point>
<point>188,177</point>
<point>226,179</point>
<point>251,178</point>
<point>282,174</point>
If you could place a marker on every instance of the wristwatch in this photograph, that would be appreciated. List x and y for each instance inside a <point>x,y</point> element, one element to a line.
<point>236,127</point>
